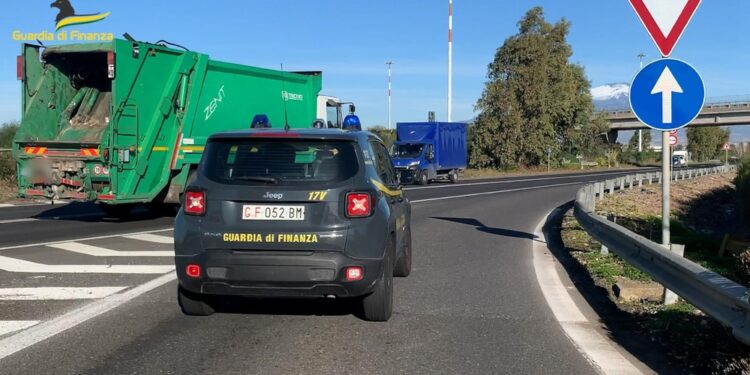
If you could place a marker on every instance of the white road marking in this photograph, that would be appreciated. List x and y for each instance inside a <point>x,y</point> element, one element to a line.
<point>96,251</point>
<point>9,326</point>
<point>13,221</point>
<point>151,238</point>
<point>43,331</point>
<point>57,293</point>
<point>39,244</point>
<point>493,192</point>
<point>573,175</point>
<point>3,205</point>
<point>599,351</point>
<point>24,266</point>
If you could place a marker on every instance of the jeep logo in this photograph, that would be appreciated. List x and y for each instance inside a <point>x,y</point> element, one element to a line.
<point>270,195</point>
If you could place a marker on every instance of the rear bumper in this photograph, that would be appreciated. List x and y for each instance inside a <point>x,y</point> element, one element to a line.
<point>276,274</point>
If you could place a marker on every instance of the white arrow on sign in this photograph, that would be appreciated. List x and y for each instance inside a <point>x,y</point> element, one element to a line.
<point>666,85</point>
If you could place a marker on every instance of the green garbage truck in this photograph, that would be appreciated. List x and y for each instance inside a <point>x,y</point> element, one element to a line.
<point>125,122</point>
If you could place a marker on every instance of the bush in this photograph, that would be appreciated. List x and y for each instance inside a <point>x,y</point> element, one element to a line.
<point>388,136</point>
<point>7,132</point>
<point>742,182</point>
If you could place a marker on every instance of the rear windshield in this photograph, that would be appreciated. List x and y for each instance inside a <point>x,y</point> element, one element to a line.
<point>280,162</point>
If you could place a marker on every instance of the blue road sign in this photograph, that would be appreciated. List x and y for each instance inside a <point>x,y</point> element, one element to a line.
<point>667,94</point>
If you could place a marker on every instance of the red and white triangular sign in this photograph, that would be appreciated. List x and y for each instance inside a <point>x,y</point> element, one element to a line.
<point>665,20</point>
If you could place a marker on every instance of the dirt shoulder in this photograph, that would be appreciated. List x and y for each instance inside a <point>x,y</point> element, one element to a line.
<point>702,212</point>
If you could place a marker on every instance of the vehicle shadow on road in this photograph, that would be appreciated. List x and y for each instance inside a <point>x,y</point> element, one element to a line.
<point>483,228</point>
<point>90,213</point>
<point>297,307</point>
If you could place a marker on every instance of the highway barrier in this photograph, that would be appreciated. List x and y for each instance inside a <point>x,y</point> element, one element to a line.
<point>721,298</point>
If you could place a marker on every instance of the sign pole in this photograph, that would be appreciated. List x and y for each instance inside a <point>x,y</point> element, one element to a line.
<point>666,181</point>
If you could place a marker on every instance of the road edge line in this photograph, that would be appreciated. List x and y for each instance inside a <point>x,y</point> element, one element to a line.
<point>43,331</point>
<point>598,350</point>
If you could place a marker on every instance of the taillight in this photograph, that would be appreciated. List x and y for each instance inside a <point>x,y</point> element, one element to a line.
<point>193,270</point>
<point>20,74</point>
<point>354,273</point>
<point>358,204</point>
<point>110,65</point>
<point>195,203</point>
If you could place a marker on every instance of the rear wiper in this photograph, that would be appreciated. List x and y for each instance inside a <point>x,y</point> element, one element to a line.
<point>268,180</point>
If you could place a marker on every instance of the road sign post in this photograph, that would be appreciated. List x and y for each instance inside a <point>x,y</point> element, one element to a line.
<point>727,147</point>
<point>667,94</point>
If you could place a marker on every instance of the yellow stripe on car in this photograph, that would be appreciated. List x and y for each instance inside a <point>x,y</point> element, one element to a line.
<point>385,189</point>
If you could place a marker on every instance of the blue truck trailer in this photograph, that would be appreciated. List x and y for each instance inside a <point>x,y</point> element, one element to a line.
<point>426,151</point>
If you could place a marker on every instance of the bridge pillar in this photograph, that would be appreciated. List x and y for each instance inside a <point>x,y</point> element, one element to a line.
<point>612,136</point>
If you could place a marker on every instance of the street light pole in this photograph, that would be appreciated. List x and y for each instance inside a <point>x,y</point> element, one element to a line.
<point>390,123</point>
<point>450,60</point>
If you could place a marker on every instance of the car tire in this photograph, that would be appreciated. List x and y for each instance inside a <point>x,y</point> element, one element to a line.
<point>378,305</point>
<point>193,304</point>
<point>424,178</point>
<point>403,265</point>
<point>453,176</point>
<point>117,211</point>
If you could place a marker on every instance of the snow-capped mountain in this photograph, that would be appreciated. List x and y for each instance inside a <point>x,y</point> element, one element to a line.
<point>611,97</point>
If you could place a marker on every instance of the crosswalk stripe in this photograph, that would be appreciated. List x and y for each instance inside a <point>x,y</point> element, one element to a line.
<point>8,326</point>
<point>97,251</point>
<point>151,238</point>
<point>24,266</point>
<point>56,293</point>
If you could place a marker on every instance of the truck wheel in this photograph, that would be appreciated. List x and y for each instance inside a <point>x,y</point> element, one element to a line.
<point>424,179</point>
<point>403,265</point>
<point>193,304</point>
<point>378,306</point>
<point>453,176</point>
<point>118,211</point>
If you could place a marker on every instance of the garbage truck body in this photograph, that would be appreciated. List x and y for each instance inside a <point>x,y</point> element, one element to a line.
<point>126,122</point>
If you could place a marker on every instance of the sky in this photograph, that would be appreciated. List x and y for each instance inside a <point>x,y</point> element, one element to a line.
<point>350,41</point>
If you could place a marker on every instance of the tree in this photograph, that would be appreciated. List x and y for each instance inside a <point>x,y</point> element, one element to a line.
<point>534,99</point>
<point>705,143</point>
<point>645,141</point>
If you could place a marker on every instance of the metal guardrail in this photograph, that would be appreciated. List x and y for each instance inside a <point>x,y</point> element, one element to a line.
<point>721,298</point>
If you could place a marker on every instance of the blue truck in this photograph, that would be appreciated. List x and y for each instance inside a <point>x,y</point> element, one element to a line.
<point>426,151</point>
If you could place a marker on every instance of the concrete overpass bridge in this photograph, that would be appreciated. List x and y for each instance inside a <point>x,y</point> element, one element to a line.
<point>717,112</point>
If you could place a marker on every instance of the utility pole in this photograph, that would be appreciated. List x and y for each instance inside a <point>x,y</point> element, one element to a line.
<point>640,132</point>
<point>450,60</point>
<point>390,123</point>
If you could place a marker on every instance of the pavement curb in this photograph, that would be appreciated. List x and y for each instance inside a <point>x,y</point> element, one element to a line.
<point>599,350</point>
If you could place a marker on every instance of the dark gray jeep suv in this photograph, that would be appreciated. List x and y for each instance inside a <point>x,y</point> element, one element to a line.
<point>293,214</point>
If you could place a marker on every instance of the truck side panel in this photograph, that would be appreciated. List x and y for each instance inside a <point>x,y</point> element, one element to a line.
<point>450,146</point>
<point>146,121</point>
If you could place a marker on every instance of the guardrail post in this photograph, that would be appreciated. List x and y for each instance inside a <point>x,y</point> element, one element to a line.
<point>659,177</point>
<point>599,186</point>
<point>621,182</point>
<point>611,186</point>
<point>670,298</point>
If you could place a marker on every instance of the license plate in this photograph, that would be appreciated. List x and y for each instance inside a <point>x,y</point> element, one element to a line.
<point>267,212</point>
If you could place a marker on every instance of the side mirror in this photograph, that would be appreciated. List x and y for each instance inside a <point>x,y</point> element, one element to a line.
<point>352,108</point>
<point>430,156</point>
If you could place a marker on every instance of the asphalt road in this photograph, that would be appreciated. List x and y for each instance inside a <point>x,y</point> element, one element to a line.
<point>471,305</point>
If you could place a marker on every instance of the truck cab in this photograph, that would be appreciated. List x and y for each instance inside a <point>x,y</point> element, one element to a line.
<point>330,111</point>
<point>414,160</point>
